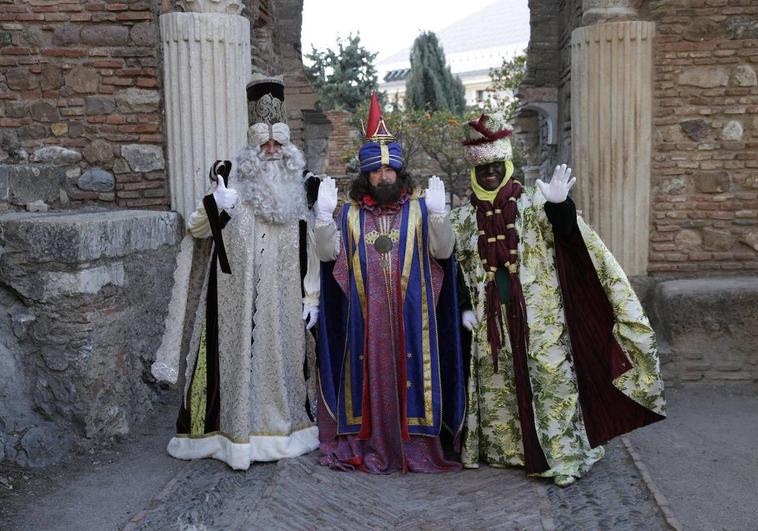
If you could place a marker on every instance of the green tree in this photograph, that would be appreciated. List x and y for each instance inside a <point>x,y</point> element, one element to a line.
<point>344,77</point>
<point>439,134</point>
<point>431,85</point>
<point>505,82</point>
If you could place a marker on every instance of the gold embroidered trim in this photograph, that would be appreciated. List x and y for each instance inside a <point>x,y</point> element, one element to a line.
<point>371,237</point>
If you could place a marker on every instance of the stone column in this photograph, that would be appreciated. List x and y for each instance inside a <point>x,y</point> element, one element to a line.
<point>597,11</point>
<point>611,130</point>
<point>207,65</point>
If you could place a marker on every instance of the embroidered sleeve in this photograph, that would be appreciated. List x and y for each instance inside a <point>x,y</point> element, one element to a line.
<point>326,239</point>
<point>198,225</point>
<point>311,282</point>
<point>441,236</point>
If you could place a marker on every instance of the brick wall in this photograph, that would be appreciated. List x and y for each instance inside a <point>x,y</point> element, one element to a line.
<point>543,63</point>
<point>84,76</point>
<point>548,80</point>
<point>570,18</point>
<point>341,142</point>
<point>299,95</point>
<point>264,47</point>
<point>704,209</point>
<point>705,157</point>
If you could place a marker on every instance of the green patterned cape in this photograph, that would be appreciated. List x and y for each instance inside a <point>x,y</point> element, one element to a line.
<point>493,432</point>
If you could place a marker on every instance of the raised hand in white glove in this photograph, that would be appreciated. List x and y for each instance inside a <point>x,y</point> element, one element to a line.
<point>435,196</point>
<point>326,201</point>
<point>225,197</point>
<point>310,315</point>
<point>469,320</point>
<point>558,189</point>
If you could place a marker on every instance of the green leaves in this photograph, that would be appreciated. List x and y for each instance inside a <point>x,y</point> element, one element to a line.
<point>431,85</point>
<point>343,78</point>
<point>505,82</point>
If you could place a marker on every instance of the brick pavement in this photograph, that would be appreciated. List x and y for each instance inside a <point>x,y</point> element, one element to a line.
<point>300,494</point>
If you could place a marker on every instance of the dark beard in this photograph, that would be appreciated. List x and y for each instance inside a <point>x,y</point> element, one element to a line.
<point>385,194</point>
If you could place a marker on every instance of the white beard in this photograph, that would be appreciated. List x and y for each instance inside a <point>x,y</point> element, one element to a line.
<point>273,187</point>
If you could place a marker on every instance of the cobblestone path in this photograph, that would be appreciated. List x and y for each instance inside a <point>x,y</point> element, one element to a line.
<point>300,494</point>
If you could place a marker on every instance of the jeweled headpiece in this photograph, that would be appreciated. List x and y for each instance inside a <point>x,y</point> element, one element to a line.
<point>380,148</point>
<point>487,140</point>
<point>267,114</point>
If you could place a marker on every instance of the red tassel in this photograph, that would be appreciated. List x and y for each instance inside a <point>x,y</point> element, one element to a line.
<point>494,321</point>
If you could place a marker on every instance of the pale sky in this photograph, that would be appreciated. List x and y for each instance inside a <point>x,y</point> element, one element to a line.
<point>385,26</point>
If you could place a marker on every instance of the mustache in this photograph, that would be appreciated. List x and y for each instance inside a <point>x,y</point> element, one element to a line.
<point>275,156</point>
<point>385,193</point>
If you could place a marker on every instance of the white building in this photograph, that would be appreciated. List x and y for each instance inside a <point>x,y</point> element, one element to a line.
<point>472,46</point>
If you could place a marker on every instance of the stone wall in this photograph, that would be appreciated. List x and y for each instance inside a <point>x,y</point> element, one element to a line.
<point>704,179</point>
<point>298,93</point>
<point>87,77</point>
<point>705,328</point>
<point>265,47</point>
<point>547,86</point>
<point>83,76</point>
<point>570,18</point>
<point>84,288</point>
<point>341,142</point>
<point>543,52</point>
<point>705,158</point>
<point>82,302</point>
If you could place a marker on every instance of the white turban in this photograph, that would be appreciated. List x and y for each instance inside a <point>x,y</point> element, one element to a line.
<point>260,133</point>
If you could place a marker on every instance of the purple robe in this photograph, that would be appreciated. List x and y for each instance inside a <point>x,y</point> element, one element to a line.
<point>379,383</point>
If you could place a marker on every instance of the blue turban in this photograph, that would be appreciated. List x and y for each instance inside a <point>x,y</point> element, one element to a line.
<point>373,155</point>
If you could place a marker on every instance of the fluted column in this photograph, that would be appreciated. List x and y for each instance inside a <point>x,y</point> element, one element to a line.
<point>206,68</point>
<point>611,127</point>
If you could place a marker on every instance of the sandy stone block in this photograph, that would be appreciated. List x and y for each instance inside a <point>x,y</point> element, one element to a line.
<point>99,151</point>
<point>105,35</point>
<point>59,128</point>
<point>143,158</point>
<point>37,206</point>
<point>704,77</point>
<point>137,100</point>
<point>56,155</point>
<point>82,79</point>
<point>743,76</point>
<point>717,240</point>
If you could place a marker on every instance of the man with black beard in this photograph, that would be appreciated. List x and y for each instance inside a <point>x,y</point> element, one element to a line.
<point>245,393</point>
<point>388,286</point>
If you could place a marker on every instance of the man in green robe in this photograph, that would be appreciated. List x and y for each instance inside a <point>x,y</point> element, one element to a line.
<point>563,357</point>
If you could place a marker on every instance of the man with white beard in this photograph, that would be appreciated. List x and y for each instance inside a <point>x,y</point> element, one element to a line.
<point>245,395</point>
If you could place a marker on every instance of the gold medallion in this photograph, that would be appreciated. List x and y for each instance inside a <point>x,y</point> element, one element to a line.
<point>383,244</point>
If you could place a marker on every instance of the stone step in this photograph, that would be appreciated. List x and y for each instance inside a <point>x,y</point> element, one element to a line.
<point>74,237</point>
<point>707,328</point>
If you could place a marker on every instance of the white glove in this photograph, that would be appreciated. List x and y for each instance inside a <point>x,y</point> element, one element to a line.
<point>435,196</point>
<point>558,189</point>
<point>469,320</point>
<point>310,315</point>
<point>327,200</point>
<point>225,197</point>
